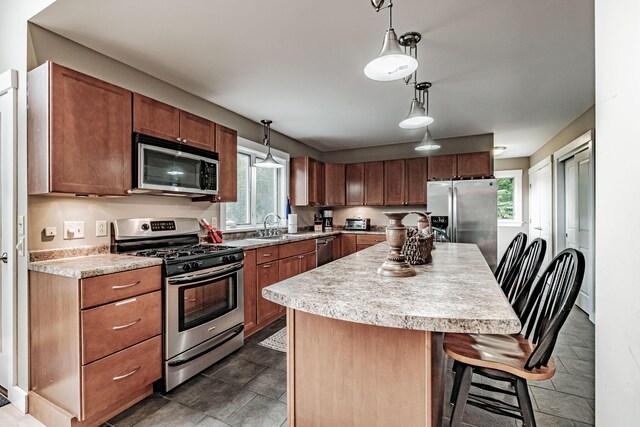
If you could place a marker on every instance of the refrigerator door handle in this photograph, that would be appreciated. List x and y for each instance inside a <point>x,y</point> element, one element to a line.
<point>454,237</point>
<point>451,223</point>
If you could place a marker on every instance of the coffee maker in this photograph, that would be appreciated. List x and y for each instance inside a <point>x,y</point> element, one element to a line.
<point>327,220</point>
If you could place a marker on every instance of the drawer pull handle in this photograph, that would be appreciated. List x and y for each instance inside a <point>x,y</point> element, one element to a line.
<point>267,266</point>
<point>117,328</point>
<point>267,254</point>
<point>121,377</point>
<point>125,286</point>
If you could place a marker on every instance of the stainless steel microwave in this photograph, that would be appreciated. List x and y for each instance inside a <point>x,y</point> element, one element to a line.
<point>161,166</point>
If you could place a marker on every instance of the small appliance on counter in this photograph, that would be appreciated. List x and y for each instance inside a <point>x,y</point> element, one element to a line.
<point>292,223</point>
<point>327,220</point>
<point>317,223</point>
<point>357,224</point>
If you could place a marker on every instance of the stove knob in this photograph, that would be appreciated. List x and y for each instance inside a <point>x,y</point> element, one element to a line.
<point>145,227</point>
<point>186,266</point>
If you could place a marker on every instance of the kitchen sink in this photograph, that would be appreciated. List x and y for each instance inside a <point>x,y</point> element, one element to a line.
<point>282,237</point>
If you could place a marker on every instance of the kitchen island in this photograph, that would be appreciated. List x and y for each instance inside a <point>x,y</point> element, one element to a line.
<point>366,350</point>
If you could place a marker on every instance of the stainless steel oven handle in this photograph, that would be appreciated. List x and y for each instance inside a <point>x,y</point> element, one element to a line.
<point>195,278</point>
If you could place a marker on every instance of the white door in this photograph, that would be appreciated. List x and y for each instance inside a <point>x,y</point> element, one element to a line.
<point>540,208</point>
<point>578,208</point>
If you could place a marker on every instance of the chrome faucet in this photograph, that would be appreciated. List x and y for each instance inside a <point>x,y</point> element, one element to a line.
<point>276,231</point>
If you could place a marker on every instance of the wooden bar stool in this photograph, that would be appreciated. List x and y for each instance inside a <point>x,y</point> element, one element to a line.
<point>521,358</point>
<point>510,257</point>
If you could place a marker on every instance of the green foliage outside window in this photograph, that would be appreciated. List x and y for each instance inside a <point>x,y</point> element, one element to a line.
<point>505,198</point>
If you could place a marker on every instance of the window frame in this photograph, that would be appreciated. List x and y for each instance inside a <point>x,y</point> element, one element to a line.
<point>516,175</point>
<point>254,150</point>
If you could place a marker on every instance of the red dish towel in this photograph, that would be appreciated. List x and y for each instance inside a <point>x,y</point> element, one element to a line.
<point>214,235</point>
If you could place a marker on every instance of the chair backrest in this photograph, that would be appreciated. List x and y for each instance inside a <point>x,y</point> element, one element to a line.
<point>550,303</point>
<point>517,286</point>
<point>510,257</point>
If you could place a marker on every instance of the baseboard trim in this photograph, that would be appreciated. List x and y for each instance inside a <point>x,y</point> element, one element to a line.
<point>19,398</point>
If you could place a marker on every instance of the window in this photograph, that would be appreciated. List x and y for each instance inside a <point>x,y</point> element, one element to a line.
<point>260,190</point>
<point>509,198</point>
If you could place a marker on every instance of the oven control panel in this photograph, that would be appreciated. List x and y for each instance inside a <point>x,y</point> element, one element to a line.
<point>160,226</point>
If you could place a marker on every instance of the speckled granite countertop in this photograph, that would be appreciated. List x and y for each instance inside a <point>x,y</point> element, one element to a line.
<point>254,243</point>
<point>455,293</point>
<point>93,265</point>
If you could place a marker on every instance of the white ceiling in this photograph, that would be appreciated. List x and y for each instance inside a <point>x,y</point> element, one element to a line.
<point>520,69</point>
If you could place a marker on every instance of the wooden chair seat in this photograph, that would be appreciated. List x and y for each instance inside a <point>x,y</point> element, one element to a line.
<point>507,353</point>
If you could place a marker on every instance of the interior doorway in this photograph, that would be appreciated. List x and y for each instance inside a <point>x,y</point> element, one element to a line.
<point>8,206</point>
<point>541,206</point>
<point>575,197</point>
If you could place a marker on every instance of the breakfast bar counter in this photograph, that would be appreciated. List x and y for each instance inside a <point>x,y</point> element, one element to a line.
<point>366,350</point>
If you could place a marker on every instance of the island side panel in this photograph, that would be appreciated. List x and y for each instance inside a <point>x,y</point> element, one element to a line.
<point>344,373</point>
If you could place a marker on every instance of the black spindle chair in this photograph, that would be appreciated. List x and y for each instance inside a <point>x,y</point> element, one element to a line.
<point>517,285</point>
<point>517,359</point>
<point>510,257</point>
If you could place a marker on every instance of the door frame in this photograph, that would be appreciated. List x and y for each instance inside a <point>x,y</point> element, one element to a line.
<point>584,141</point>
<point>546,162</point>
<point>9,149</point>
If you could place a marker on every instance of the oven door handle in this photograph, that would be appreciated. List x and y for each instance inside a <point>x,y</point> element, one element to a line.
<point>223,339</point>
<point>194,278</point>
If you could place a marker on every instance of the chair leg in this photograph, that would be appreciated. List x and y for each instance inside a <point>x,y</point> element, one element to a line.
<point>465,372</point>
<point>524,400</point>
<point>457,369</point>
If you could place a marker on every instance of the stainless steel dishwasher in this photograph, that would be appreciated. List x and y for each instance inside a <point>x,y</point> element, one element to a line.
<point>324,250</point>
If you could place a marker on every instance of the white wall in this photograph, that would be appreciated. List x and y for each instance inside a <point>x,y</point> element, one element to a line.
<point>617,207</point>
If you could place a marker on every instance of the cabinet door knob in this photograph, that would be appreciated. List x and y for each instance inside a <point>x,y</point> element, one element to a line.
<point>184,141</point>
<point>178,139</point>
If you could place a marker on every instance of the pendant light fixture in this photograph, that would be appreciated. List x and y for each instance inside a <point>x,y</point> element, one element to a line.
<point>428,143</point>
<point>499,150</point>
<point>418,117</point>
<point>269,161</point>
<point>392,63</point>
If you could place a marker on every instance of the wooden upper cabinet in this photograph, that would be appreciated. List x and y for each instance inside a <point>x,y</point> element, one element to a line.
<point>442,167</point>
<point>307,182</point>
<point>394,182</point>
<point>161,120</point>
<point>374,183</point>
<point>474,165</point>
<point>334,184</point>
<point>79,133</point>
<point>354,178</point>
<point>227,147</point>
<point>155,118</point>
<point>197,132</point>
<point>416,187</point>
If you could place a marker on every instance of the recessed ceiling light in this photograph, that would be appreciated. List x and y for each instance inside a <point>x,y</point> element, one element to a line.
<point>499,150</point>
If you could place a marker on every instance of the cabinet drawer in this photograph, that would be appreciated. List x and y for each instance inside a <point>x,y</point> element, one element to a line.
<point>297,248</point>
<point>112,327</point>
<point>108,380</point>
<point>113,287</point>
<point>268,254</point>
<point>370,239</point>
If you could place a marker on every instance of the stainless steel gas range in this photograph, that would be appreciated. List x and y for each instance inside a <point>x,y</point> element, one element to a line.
<point>202,291</point>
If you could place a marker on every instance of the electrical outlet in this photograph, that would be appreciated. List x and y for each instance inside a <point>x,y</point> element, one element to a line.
<point>50,231</point>
<point>73,230</point>
<point>101,228</point>
<point>214,222</point>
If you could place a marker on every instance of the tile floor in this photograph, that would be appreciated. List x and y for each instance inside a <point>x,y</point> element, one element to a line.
<point>248,388</point>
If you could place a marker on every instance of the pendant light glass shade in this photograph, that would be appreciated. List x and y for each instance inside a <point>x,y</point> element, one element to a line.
<point>427,143</point>
<point>392,63</point>
<point>417,117</point>
<point>268,162</point>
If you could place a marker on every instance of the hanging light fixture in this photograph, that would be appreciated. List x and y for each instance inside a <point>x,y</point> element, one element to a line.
<point>392,63</point>
<point>418,117</point>
<point>427,143</point>
<point>269,161</point>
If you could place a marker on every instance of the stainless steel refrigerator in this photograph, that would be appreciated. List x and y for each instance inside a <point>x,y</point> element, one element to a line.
<point>467,211</point>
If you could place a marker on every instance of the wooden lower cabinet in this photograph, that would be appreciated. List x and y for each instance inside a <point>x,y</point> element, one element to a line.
<point>250,293</point>
<point>86,365</point>
<point>267,276</point>
<point>364,241</point>
<point>348,244</point>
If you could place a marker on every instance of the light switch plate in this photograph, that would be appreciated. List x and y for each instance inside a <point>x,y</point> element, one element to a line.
<point>73,230</point>
<point>101,228</point>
